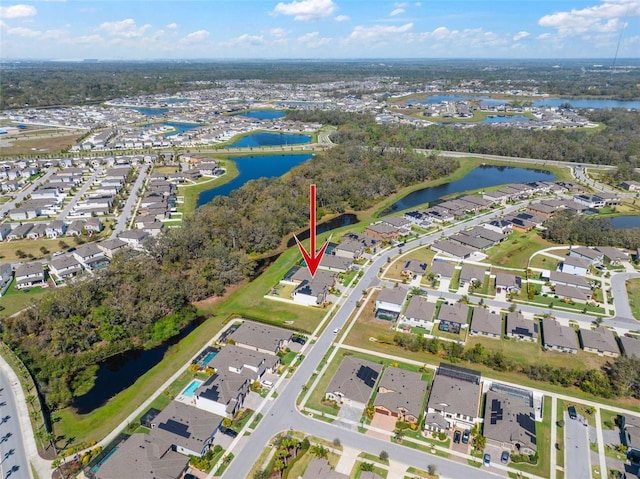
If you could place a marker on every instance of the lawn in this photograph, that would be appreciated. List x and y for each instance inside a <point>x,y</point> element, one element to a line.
<point>543,261</point>
<point>422,254</point>
<point>551,301</point>
<point>608,418</point>
<point>517,249</point>
<point>16,300</point>
<point>317,395</point>
<point>560,409</point>
<point>49,143</point>
<point>30,247</point>
<point>633,290</point>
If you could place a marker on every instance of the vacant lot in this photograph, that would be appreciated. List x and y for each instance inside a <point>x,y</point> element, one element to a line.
<point>515,252</point>
<point>47,143</point>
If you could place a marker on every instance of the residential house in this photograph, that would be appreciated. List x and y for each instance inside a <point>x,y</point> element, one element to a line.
<point>575,265</point>
<point>336,264</point>
<point>223,393</point>
<point>442,270</point>
<point>572,293</point>
<point>93,225</point>
<point>557,277</point>
<point>521,328</point>
<point>510,421</point>
<point>75,228</point>
<point>401,394</point>
<point>557,337</point>
<point>134,238</point>
<point>354,381</point>
<point>630,426</point>
<point>312,290</point>
<point>111,246</point>
<point>389,303</point>
<point>383,232</point>
<point>591,255</point>
<point>403,225</point>
<point>55,229</point>
<point>241,360</point>
<point>319,468</point>
<point>455,395</point>
<point>419,312</point>
<point>508,282</point>
<point>65,266</point>
<point>474,242</point>
<point>350,249</point>
<point>452,249</point>
<point>630,345</point>
<point>261,337</point>
<point>414,268</point>
<point>6,276</point>
<point>19,232</point>
<point>28,275</point>
<point>485,323</point>
<point>5,229</point>
<point>600,341</point>
<point>90,256</point>
<point>38,231</point>
<point>631,185</point>
<point>453,317</point>
<point>612,255</point>
<point>499,226</point>
<point>470,274</point>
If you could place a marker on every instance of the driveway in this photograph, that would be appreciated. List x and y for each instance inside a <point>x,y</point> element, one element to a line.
<point>576,440</point>
<point>383,422</point>
<point>350,414</point>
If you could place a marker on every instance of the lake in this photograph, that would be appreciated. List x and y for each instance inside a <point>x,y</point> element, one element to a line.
<point>270,139</point>
<point>622,222</point>
<point>505,119</point>
<point>587,103</point>
<point>254,167</point>
<point>180,127</point>
<point>264,114</point>
<point>151,111</point>
<point>481,177</point>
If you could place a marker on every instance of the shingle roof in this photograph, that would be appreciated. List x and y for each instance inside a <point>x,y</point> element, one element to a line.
<point>404,389</point>
<point>519,325</point>
<point>420,309</point>
<point>601,339</point>
<point>260,335</point>
<point>455,396</point>
<point>355,379</point>
<point>509,420</point>
<point>485,322</point>
<point>555,334</point>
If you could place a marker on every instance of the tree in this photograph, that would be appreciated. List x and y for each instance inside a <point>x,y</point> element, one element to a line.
<point>366,466</point>
<point>432,469</point>
<point>384,456</point>
<point>336,442</point>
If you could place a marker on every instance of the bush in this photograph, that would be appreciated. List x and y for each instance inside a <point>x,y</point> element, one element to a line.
<point>442,436</point>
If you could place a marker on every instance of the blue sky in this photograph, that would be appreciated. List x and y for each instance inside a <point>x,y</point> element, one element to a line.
<point>174,29</point>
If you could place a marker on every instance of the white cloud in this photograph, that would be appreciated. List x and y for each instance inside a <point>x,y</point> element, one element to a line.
<point>313,40</point>
<point>16,11</point>
<point>342,18</point>
<point>544,36</point>
<point>245,40</point>
<point>125,28</point>
<point>197,36</point>
<point>305,10</point>
<point>603,18</point>
<point>277,32</point>
<point>418,4</point>
<point>377,32</point>
<point>88,40</point>
<point>24,32</point>
<point>520,35</point>
<point>172,26</point>
<point>397,11</point>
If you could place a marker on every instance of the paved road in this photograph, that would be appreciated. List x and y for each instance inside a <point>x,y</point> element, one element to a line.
<point>576,445</point>
<point>131,201</point>
<point>23,194</point>
<point>620,297</point>
<point>78,196</point>
<point>283,414</point>
<point>13,460</point>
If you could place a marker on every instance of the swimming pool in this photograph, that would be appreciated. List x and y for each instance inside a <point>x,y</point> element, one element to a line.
<point>95,468</point>
<point>190,390</point>
<point>204,361</point>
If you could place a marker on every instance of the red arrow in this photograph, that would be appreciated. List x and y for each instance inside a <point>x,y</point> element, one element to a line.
<point>313,259</point>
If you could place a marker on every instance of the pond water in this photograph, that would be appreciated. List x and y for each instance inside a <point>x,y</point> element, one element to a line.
<point>151,111</point>
<point>270,139</point>
<point>251,168</point>
<point>588,103</point>
<point>481,177</point>
<point>622,222</point>
<point>180,127</point>
<point>505,119</point>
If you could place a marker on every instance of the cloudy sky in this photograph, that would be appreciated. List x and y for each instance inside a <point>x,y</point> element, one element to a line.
<point>173,29</point>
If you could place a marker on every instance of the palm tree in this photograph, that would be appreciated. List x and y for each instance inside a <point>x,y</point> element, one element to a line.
<point>319,451</point>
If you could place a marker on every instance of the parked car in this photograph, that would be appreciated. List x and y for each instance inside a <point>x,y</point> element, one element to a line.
<point>505,457</point>
<point>456,437</point>
<point>189,476</point>
<point>465,436</point>
<point>572,412</point>
<point>336,331</point>
<point>487,460</point>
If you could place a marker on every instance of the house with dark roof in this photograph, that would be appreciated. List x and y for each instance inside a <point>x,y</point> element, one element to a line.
<point>575,265</point>
<point>66,266</point>
<point>557,337</point>
<point>508,282</point>
<point>452,249</point>
<point>312,291</point>
<point>28,275</point>
<point>389,302</point>
<point>510,422</point>
<point>572,293</point>
<point>469,274</point>
<point>319,468</point>
<point>591,255</point>
<point>611,254</point>
<point>455,395</point>
<point>414,267</point>
<point>600,341</point>
<point>442,269</point>
<point>630,425</point>
<point>557,277</point>
<point>401,394</point>
<point>223,393</point>
<point>419,312</point>
<point>521,328</point>
<point>353,381</point>
<point>335,264</point>
<point>485,323</point>
<point>261,337</point>
<point>6,276</point>
<point>630,346</point>
<point>111,246</point>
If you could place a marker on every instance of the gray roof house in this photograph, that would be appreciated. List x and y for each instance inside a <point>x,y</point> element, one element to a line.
<point>312,291</point>
<point>600,340</point>
<point>65,266</point>
<point>354,380</point>
<point>521,328</point>
<point>389,302</point>
<point>571,292</point>
<point>223,393</point>
<point>401,394</point>
<point>485,323</point>
<point>508,282</point>
<point>319,468</point>
<point>442,269</point>
<point>414,267</point>
<point>558,277</point>
<point>453,249</point>
<point>261,337</point>
<point>454,313</point>
<point>630,346</point>
<point>455,394</point>
<point>509,422</point>
<point>419,312</point>
<point>30,274</point>
<point>247,362</point>
<point>470,273</point>
<point>558,337</point>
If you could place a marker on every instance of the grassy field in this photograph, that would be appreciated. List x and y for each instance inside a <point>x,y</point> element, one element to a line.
<point>559,433</point>
<point>543,262</point>
<point>515,251</point>
<point>16,300</point>
<point>192,192</point>
<point>608,418</point>
<point>30,247</point>
<point>633,290</point>
<point>43,143</point>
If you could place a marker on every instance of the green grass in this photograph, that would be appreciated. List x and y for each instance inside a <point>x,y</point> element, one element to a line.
<point>560,409</point>
<point>454,284</point>
<point>316,397</point>
<point>608,418</point>
<point>551,301</point>
<point>633,291</point>
<point>192,192</point>
<point>287,358</point>
<point>422,254</point>
<point>16,300</point>
<point>516,251</point>
<point>372,458</point>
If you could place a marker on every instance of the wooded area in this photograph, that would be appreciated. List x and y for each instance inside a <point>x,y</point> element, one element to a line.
<point>141,300</point>
<point>568,227</point>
